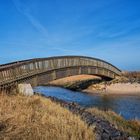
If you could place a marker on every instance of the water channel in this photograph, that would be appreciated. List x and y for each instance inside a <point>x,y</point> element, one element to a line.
<point>126,106</point>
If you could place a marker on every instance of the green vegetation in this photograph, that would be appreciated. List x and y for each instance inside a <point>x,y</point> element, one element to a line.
<point>39,118</point>
<point>132,127</point>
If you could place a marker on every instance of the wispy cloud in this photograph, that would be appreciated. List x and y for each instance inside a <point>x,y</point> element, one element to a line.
<point>26,12</point>
<point>42,29</point>
<point>122,32</point>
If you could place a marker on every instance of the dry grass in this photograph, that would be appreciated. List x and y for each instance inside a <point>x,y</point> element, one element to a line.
<point>131,73</point>
<point>39,118</point>
<point>73,79</point>
<point>132,127</point>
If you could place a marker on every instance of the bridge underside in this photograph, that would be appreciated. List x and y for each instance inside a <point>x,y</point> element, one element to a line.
<point>44,70</point>
<point>52,75</point>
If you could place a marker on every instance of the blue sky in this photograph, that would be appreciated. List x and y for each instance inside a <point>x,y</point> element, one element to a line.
<point>106,29</point>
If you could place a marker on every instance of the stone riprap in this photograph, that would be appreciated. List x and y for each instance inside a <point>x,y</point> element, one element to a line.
<point>103,129</point>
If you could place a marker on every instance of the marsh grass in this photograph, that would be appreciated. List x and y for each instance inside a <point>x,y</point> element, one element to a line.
<point>39,118</point>
<point>132,127</point>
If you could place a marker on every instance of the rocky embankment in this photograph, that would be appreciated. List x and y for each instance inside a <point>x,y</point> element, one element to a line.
<point>77,85</point>
<point>103,129</point>
<point>78,82</point>
<point>81,85</point>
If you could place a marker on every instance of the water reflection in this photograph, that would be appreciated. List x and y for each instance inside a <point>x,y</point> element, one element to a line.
<point>127,106</point>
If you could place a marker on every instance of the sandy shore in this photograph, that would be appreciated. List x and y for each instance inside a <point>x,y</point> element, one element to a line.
<point>115,89</point>
<point>120,86</point>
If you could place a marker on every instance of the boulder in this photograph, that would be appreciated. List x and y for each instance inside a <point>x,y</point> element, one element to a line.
<point>25,89</point>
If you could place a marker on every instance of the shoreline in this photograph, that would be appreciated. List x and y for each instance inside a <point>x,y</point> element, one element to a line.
<point>121,89</point>
<point>100,92</point>
<point>94,86</point>
<point>105,93</point>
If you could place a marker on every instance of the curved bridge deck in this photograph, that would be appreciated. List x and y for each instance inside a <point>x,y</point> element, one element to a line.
<point>38,71</point>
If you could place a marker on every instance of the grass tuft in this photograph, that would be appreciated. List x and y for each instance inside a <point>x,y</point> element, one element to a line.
<point>132,127</point>
<point>39,118</point>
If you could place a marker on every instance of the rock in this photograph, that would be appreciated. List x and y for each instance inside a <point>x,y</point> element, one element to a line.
<point>103,129</point>
<point>2,126</point>
<point>25,89</point>
<point>131,138</point>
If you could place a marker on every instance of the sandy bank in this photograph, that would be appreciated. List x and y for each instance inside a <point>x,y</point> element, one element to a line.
<point>116,89</point>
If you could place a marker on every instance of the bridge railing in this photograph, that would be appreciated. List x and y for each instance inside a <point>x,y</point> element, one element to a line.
<point>27,68</point>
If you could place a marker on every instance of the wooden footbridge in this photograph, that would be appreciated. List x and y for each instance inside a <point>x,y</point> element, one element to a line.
<point>42,70</point>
